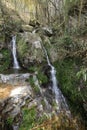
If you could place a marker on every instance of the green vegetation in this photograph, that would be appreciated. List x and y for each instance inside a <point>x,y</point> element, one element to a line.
<point>32,83</point>
<point>29,119</point>
<point>42,77</point>
<point>9,121</point>
<point>5,61</point>
<point>70,84</point>
<point>32,69</point>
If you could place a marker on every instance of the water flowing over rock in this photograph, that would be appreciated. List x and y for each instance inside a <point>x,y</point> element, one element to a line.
<point>59,98</point>
<point>14,53</point>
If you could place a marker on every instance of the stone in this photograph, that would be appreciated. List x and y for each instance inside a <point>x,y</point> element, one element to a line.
<point>30,50</point>
<point>27,28</point>
<point>34,23</point>
<point>40,108</point>
<point>47,30</point>
<point>1,56</point>
<point>13,78</point>
<point>7,109</point>
<point>32,104</point>
<point>15,112</point>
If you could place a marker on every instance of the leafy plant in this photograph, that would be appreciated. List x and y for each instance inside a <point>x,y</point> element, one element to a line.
<point>82,74</point>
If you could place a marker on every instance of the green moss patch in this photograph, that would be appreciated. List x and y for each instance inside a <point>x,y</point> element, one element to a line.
<point>6,60</point>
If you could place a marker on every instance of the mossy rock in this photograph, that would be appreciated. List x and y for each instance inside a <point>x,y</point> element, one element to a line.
<point>5,61</point>
<point>30,50</point>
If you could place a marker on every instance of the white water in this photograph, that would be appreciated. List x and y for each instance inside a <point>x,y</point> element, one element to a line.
<point>15,62</point>
<point>59,98</point>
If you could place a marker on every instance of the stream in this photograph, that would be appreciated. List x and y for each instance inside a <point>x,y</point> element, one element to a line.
<point>59,98</point>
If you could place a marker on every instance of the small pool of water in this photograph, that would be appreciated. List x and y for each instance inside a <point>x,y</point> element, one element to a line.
<point>15,71</point>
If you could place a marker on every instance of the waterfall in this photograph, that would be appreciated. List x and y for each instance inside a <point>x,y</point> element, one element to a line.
<point>59,98</point>
<point>15,62</point>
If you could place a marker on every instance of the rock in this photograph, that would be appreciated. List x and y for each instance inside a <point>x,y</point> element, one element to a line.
<point>10,108</point>
<point>7,109</point>
<point>1,46</point>
<point>46,40</point>
<point>27,28</point>
<point>53,54</point>
<point>13,78</point>
<point>30,50</point>
<point>34,23</point>
<point>47,31</point>
<point>15,112</point>
<point>32,104</point>
<point>40,108</point>
<point>1,56</point>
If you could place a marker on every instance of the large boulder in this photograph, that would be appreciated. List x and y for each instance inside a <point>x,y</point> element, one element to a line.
<point>26,28</point>
<point>30,50</point>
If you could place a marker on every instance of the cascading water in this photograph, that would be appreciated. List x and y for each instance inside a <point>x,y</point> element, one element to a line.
<point>59,98</point>
<point>15,62</point>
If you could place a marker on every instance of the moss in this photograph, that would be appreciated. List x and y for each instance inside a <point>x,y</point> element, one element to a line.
<point>9,121</point>
<point>6,60</point>
<point>22,47</point>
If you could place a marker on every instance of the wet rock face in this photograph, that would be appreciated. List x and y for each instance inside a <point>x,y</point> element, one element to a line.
<point>30,50</point>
